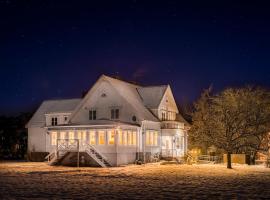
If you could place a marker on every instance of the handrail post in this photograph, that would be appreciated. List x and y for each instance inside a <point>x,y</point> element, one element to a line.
<point>78,156</point>
<point>56,150</point>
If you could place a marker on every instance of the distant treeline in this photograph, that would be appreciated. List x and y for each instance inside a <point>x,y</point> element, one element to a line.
<point>13,136</point>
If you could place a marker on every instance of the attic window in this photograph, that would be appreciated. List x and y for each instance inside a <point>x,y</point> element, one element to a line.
<point>66,118</point>
<point>115,113</point>
<point>103,95</point>
<point>92,114</point>
<point>54,121</point>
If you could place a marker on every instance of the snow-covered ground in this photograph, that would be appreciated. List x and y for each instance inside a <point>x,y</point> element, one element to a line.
<point>38,180</point>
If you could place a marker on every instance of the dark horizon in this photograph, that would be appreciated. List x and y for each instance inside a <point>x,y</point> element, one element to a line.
<point>59,49</point>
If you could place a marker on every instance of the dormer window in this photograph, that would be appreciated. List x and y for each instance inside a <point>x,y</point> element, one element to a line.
<point>54,121</point>
<point>92,115</point>
<point>115,113</point>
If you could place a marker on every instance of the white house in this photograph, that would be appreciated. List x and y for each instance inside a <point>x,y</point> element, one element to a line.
<point>115,123</point>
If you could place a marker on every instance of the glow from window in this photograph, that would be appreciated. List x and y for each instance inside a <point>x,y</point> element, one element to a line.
<point>124,137</point>
<point>92,137</point>
<point>120,137</point>
<point>101,137</point>
<point>155,143</point>
<point>53,138</point>
<point>111,136</point>
<point>134,137</point>
<point>129,138</point>
<point>71,137</point>
<point>151,138</point>
<point>62,135</point>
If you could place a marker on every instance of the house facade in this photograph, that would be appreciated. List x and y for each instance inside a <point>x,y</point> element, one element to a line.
<point>116,123</point>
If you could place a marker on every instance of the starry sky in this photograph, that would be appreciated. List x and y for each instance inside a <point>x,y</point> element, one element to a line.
<point>53,49</point>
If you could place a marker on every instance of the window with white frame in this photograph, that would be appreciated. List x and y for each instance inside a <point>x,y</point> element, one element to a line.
<point>62,135</point>
<point>92,114</point>
<point>163,115</point>
<point>81,136</point>
<point>151,138</point>
<point>71,137</point>
<point>155,138</point>
<point>53,138</point>
<point>92,137</point>
<point>124,137</point>
<point>111,136</point>
<point>115,113</point>
<point>120,137</point>
<point>129,138</point>
<point>101,137</point>
<point>54,121</point>
<point>134,137</point>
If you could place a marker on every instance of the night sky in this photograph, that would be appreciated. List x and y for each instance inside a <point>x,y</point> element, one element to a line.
<point>57,49</point>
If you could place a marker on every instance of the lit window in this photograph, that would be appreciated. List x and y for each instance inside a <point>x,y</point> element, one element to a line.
<point>151,138</point>
<point>101,137</point>
<point>120,137</point>
<point>155,143</point>
<point>53,138</point>
<point>92,115</point>
<point>92,137</point>
<point>129,138</point>
<point>124,137</point>
<point>114,113</point>
<point>71,137</point>
<point>81,136</point>
<point>134,137</point>
<point>111,136</point>
<point>62,135</point>
<point>148,138</point>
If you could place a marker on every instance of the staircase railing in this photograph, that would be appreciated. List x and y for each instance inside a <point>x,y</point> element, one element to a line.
<point>93,152</point>
<point>51,155</point>
<point>72,145</point>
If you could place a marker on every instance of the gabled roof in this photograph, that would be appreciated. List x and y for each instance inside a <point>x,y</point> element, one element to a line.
<point>140,98</point>
<point>127,91</point>
<point>52,106</point>
<point>130,93</point>
<point>152,95</point>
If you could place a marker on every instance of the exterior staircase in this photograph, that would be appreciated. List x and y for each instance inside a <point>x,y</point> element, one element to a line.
<point>97,156</point>
<point>55,157</point>
<point>65,146</point>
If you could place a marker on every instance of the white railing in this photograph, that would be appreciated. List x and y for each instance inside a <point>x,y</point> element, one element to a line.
<point>67,145</point>
<point>172,125</point>
<point>101,161</point>
<point>74,145</point>
<point>51,155</point>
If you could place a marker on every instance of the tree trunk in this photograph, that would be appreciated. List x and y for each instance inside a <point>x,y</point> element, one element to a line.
<point>229,161</point>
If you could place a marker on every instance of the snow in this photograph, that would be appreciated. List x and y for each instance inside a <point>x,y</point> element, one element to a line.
<point>152,181</point>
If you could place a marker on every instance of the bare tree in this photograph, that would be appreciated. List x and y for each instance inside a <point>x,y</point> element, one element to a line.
<point>232,120</point>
